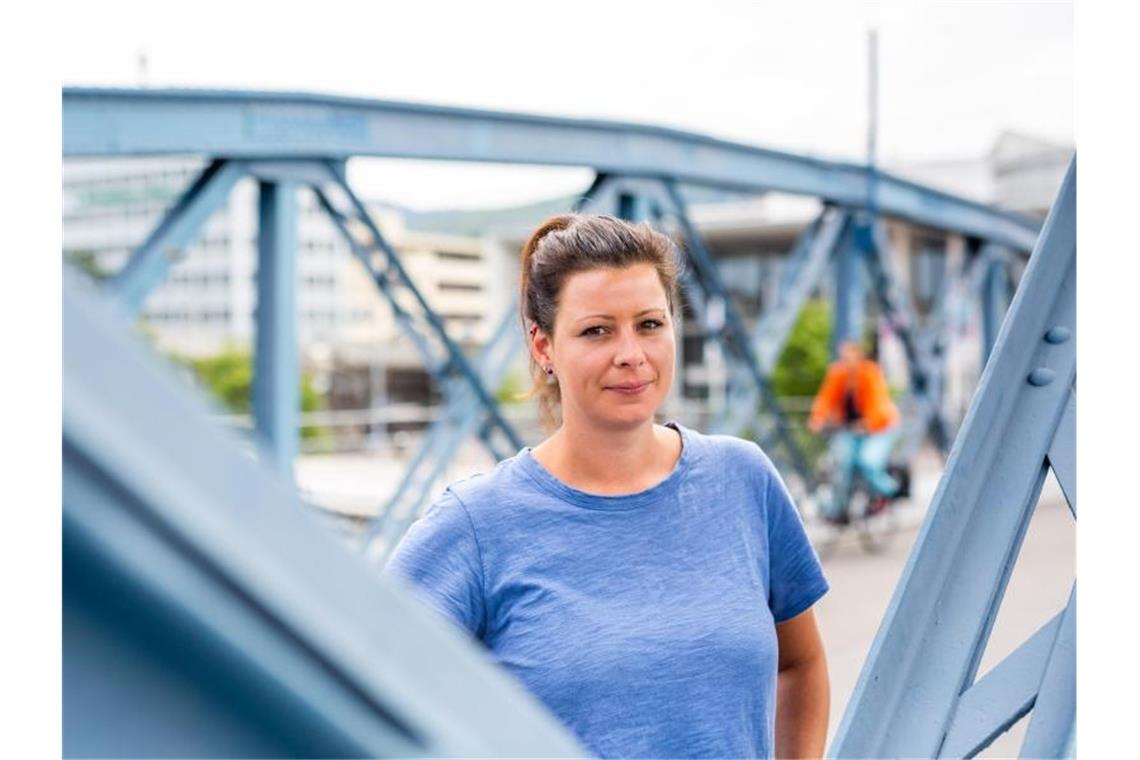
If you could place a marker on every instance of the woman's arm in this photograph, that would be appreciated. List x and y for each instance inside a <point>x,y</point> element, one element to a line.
<point>803,693</point>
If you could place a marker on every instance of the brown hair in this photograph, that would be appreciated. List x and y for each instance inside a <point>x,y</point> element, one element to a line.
<point>569,243</point>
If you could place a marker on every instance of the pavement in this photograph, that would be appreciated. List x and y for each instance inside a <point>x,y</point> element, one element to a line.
<point>862,585</point>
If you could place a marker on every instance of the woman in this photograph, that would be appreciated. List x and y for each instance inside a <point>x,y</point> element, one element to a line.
<point>651,585</point>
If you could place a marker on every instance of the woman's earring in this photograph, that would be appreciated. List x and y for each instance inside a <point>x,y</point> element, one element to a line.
<point>550,379</point>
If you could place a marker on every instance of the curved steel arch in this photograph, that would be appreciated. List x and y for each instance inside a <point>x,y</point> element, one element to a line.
<point>258,124</point>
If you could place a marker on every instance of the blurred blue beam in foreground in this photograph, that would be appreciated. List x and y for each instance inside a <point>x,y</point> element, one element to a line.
<point>207,612</point>
<point>917,695</point>
<point>253,124</point>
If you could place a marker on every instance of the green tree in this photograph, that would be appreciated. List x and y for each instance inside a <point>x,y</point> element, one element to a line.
<point>803,362</point>
<point>86,262</point>
<point>511,389</point>
<point>802,366</point>
<point>228,376</point>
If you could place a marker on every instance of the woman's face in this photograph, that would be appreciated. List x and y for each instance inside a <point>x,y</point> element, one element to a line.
<point>613,346</point>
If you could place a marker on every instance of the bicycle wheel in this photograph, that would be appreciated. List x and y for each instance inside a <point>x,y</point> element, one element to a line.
<point>877,523</point>
<point>826,534</point>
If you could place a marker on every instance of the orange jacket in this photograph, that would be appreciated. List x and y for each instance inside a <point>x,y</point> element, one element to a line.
<point>872,398</point>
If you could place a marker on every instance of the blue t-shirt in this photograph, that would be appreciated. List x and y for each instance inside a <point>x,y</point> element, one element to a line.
<point>645,622</point>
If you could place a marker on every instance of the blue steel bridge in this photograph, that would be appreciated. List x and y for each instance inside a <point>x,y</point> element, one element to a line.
<point>207,614</point>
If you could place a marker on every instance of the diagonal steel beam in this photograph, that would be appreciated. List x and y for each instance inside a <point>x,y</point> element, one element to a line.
<point>733,335</point>
<point>773,328</point>
<point>1053,725</point>
<point>1063,452</point>
<point>461,418</point>
<point>150,263</point>
<point>923,367</point>
<point>416,318</point>
<point>193,576</point>
<point>1002,697</point>
<point>938,622</point>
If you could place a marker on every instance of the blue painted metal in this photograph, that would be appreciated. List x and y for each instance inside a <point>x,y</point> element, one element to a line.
<point>150,263</point>
<point>416,319</point>
<point>734,337</point>
<point>1001,697</point>
<point>850,293</point>
<point>1063,452</point>
<point>922,414</point>
<point>277,370</point>
<point>1053,724</point>
<point>110,122</point>
<point>807,264</point>
<point>924,367</point>
<point>926,654</point>
<point>461,418</point>
<point>805,269</point>
<point>995,299</point>
<point>799,274</point>
<point>206,613</point>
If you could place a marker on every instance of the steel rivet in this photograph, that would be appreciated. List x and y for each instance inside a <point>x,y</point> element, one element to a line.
<point>1041,376</point>
<point>1058,335</point>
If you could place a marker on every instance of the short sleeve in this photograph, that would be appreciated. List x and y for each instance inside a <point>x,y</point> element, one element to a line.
<point>795,577</point>
<point>439,556</point>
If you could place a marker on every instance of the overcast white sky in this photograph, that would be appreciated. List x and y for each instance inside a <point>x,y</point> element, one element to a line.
<point>785,75</point>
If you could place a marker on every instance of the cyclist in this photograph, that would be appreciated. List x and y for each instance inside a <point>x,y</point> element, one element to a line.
<point>854,399</point>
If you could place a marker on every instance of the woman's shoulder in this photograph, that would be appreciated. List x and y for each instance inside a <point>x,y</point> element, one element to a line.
<point>484,490</point>
<point>737,450</point>
<point>738,455</point>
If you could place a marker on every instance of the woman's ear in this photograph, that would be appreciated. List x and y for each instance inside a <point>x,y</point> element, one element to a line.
<point>540,346</point>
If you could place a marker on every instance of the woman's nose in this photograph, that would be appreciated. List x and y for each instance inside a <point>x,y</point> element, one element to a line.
<point>629,352</point>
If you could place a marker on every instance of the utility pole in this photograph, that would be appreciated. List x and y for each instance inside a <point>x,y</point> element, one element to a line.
<point>143,69</point>
<point>872,113</point>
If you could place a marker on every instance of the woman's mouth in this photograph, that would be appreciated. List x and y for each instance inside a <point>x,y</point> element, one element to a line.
<point>629,389</point>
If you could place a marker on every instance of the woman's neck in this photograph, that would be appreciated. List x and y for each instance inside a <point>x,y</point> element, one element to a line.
<point>610,462</point>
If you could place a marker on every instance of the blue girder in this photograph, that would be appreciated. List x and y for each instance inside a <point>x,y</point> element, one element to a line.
<point>462,416</point>
<point>442,356</point>
<point>277,366</point>
<point>150,263</point>
<point>208,613</point>
<point>123,122</point>
<point>916,695</point>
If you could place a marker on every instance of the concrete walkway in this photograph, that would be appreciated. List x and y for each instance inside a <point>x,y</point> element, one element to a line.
<point>861,587</point>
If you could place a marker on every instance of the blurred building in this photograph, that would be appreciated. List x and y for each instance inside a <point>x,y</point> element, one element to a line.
<point>348,337</point>
<point>1020,173</point>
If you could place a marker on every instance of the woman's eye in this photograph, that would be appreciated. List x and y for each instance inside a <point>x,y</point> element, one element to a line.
<point>592,331</point>
<point>652,324</point>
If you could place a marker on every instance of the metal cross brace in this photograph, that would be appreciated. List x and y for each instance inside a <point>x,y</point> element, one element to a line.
<point>462,417</point>
<point>805,268</point>
<point>149,264</point>
<point>917,695</point>
<point>924,369</point>
<point>442,356</point>
<point>733,335</point>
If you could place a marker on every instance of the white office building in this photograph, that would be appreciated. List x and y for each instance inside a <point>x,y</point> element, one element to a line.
<point>208,301</point>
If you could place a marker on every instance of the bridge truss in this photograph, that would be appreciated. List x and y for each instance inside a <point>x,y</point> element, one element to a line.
<point>181,555</point>
<point>287,141</point>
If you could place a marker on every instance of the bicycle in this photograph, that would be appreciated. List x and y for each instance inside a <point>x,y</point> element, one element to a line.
<point>866,512</point>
